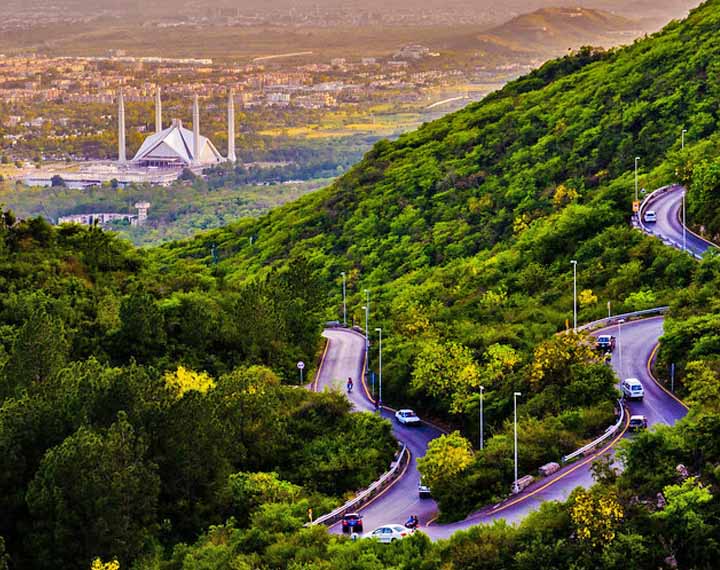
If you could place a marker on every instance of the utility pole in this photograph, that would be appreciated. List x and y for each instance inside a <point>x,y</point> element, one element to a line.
<point>344,291</point>
<point>637,159</point>
<point>574,264</point>
<point>684,224</point>
<point>516,489</point>
<point>482,438</point>
<point>379,331</point>
<point>682,144</point>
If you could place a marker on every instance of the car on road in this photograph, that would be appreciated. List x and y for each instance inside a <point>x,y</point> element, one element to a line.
<point>633,389</point>
<point>424,491</point>
<point>407,417</point>
<point>638,423</point>
<point>390,533</point>
<point>352,522</point>
<point>650,217</point>
<point>605,343</point>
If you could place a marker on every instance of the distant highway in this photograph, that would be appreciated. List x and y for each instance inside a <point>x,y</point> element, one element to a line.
<point>281,55</point>
<point>445,102</point>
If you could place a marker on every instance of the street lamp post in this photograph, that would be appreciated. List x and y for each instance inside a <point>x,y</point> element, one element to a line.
<point>684,226</point>
<point>516,489</point>
<point>682,144</point>
<point>574,264</point>
<point>379,331</point>
<point>482,438</point>
<point>344,300</point>
<point>367,343</point>
<point>637,159</point>
<point>619,344</point>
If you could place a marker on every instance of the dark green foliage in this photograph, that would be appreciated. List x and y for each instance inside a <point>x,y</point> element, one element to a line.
<point>94,495</point>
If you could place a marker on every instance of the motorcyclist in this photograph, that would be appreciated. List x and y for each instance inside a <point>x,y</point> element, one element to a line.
<point>412,522</point>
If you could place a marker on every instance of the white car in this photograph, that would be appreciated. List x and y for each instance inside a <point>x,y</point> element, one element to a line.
<point>632,389</point>
<point>389,533</point>
<point>407,417</point>
<point>650,217</point>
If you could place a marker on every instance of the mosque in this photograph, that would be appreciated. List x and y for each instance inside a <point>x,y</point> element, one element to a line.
<point>176,147</point>
<point>159,160</point>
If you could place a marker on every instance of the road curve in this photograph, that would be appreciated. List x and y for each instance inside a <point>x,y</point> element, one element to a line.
<point>637,343</point>
<point>344,357</point>
<point>667,205</point>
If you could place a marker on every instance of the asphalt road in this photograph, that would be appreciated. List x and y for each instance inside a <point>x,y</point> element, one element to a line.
<point>345,357</point>
<point>668,227</point>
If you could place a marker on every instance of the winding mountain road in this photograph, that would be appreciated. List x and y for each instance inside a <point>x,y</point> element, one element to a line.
<point>633,357</point>
<point>667,204</point>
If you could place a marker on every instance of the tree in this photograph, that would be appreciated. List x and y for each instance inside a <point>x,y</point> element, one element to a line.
<point>446,371</point>
<point>57,181</point>
<point>39,351</point>
<point>93,495</point>
<point>142,332</point>
<point>596,517</point>
<point>687,529</point>
<point>701,380</point>
<point>587,298</point>
<point>184,380</point>
<point>446,456</point>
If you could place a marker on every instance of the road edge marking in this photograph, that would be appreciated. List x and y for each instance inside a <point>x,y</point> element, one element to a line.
<point>322,365</point>
<point>654,378</point>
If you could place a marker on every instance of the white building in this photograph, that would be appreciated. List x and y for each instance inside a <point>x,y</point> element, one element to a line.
<point>175,147</point>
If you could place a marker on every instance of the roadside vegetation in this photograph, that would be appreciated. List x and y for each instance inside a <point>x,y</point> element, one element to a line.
<point>464,232</point>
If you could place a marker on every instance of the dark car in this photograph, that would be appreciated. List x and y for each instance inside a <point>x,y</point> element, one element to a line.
<point>638,423</point>
<point>352,522</point>
<point>605,343</point>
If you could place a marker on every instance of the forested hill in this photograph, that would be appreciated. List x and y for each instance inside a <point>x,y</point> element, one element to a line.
<point>464,230</point>
<point>478,177</point>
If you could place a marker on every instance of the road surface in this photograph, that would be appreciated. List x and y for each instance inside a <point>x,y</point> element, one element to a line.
<point>345,357</point>
<point>667,205</point>
<point>636,346</point>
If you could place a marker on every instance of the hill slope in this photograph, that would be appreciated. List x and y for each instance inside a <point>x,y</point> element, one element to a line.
<point>554,30</point>
<point>464,230</point>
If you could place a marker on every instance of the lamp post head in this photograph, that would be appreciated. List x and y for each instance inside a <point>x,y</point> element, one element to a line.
<point>482,388</point>
<point>573,261</point>
<point>342,273</point>
<point>516,394</point>
<point>378,329</point>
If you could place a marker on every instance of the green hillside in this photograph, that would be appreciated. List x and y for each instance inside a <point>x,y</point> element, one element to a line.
<point>464,230</point>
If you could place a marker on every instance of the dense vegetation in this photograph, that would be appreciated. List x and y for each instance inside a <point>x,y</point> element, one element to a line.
<point>464,232</point>
<point>176,211</point>
<point>118,444</point>
<point>138,407</point>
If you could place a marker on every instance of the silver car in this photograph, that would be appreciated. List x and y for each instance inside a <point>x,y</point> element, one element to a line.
<point>407,417</point>
<point>390,533</point>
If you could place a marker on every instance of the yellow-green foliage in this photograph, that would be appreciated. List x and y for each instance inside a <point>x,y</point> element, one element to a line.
<point>183,380</point>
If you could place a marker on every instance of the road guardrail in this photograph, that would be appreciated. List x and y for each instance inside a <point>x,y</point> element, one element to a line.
<point>611,431</point>
<point>365,496</point>
<point>614,319</point>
